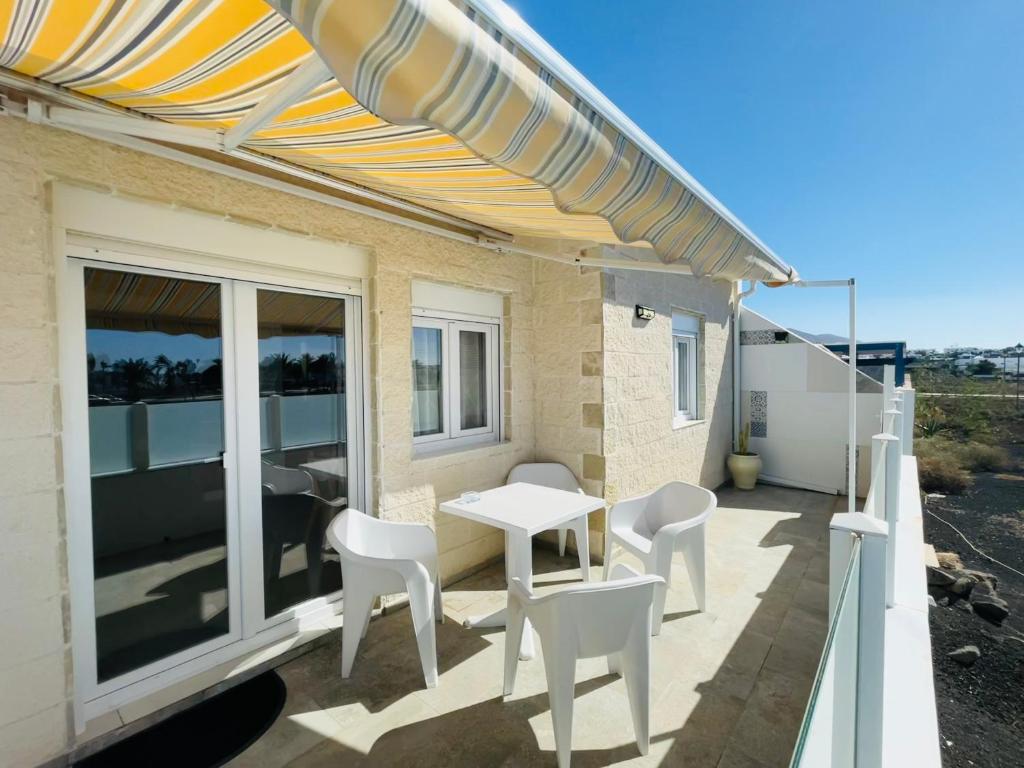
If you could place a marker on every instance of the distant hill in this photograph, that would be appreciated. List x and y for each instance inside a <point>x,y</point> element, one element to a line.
<point>820,338</point>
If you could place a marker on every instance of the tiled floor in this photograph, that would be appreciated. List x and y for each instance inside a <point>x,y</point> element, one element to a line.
<point>729,686</point>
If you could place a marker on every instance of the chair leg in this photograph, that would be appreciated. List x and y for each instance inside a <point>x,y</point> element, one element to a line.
<point>659,562</point>
<point>615,663</point>
<point>421,604</point>
<point>516,619</point>
<point>357,607</point>
<point>563,538</point>
<point>438,603</point>
<point>583,546</point>
<point>658,609</point>
<point>560,669</point>
<point>694,546</point>
<point>635,659</point>
<point>607,555</point>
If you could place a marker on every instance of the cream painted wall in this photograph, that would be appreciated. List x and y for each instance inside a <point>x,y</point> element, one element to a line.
<point>642,450</point>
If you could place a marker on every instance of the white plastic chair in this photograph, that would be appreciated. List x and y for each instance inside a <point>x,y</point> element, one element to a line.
<point>558,476</point>
<point>653,526</point>
<point>380,557</point>
<point>608,618</point>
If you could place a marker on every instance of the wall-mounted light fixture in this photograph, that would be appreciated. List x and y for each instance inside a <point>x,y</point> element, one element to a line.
<point>644,313</point>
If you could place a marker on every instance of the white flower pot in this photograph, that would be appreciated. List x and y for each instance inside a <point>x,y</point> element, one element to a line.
<point>744,468</point>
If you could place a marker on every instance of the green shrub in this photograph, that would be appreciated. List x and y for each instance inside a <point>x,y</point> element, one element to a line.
<point>979,457</point>
<point>971,457</point>
<point>942,475</point>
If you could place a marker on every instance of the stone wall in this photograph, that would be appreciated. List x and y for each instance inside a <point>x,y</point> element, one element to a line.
<point>34,624</point>
<point>568,342</point>
<point>642,450</point>
<point>584,385</point>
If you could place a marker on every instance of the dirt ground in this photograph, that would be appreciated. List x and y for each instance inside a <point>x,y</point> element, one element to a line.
<point>981,708</point>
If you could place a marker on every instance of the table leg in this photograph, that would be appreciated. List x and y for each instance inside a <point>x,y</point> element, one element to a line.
<point>518,563</point>
<point>519,557</point>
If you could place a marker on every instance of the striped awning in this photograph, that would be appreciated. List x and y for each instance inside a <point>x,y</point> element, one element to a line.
<point>430,102</point>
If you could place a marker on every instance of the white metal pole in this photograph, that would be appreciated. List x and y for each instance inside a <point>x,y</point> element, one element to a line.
<point>852,459</point>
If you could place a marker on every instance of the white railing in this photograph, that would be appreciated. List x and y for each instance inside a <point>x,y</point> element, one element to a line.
<point>843,724</point>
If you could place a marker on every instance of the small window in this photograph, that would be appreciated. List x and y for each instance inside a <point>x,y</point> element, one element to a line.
<point>455,382</point>
<point>685,338</point>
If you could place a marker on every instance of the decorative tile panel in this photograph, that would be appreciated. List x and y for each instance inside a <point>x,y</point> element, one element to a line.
<point>758,413</point>
<point>757,337</point>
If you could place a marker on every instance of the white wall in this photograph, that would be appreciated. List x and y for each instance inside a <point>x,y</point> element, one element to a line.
<point>795,393</point>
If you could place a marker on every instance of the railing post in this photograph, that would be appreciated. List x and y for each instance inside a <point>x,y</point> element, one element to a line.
<point>893,477</point>
<point>275,423</point>
<point>888,388</point>
<point>908,421</point>
<point>876,488</point>
<point>893,421</point>
<point>860,665</point>
<point>874,582</point>
<point>840,545</point>
<point>138,420</point>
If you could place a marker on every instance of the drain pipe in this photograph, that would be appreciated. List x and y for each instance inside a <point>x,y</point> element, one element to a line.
<point>740,295</point>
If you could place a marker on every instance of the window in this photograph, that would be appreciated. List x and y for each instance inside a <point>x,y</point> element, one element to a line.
<point>685,338</point>
<point>454,371</point>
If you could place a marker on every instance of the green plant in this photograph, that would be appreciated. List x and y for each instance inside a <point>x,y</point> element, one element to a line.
<point>743,444</point>
<point>931,420</point>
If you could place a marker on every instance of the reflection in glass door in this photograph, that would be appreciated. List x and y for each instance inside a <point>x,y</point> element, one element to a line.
<point>304,472</point>
<point>156,389</point>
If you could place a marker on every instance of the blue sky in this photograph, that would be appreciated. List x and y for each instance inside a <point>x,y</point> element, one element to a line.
<point>882,140</point>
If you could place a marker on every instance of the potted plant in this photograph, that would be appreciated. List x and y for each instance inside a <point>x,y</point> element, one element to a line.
<point>744,465</point>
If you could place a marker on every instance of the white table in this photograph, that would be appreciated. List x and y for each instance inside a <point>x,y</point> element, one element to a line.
<point>522,510</point>
<point>328,469</point>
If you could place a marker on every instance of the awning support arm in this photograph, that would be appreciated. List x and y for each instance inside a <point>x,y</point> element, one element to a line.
<point>301,81</point>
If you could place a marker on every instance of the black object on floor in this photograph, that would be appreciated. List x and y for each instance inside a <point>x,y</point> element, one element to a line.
<point>206,735</point>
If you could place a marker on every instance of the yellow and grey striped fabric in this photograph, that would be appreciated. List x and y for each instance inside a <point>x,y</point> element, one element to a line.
<point>430,104</point>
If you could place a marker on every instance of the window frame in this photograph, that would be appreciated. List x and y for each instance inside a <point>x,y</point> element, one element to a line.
<point>688,341</point>
<point>452,435</point>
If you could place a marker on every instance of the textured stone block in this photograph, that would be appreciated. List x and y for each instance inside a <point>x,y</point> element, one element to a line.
<point>593,467</point>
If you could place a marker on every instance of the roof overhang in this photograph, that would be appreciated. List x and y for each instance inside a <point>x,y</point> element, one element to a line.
<point>452,113</point>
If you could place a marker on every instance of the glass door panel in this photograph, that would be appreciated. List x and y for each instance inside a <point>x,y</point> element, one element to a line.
<point>304,469</point>
<point>156,435</point>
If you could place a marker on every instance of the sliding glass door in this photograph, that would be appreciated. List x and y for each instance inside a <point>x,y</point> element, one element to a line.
<point>303,442</point>
<point>160,502</point>
<point>220,415</point>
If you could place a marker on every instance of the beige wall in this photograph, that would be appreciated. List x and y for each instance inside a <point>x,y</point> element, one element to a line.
<point>34,624</point>
<point>574,360</point>
<point>568,343</point>
<point>641,448</point>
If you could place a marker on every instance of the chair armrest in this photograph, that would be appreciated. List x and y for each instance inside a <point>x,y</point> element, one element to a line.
<point>625,513</point>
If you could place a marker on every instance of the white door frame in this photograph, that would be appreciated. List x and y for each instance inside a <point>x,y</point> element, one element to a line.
<point>249,477</point>
<point>79,497</point>
<point>114,231</point>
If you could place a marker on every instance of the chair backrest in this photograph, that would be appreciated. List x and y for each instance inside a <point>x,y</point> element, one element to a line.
<point>280,481</point>
<point>676,502</point>
<point>548,474</point>
<point>357,536</point>
<point>598,618</point>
